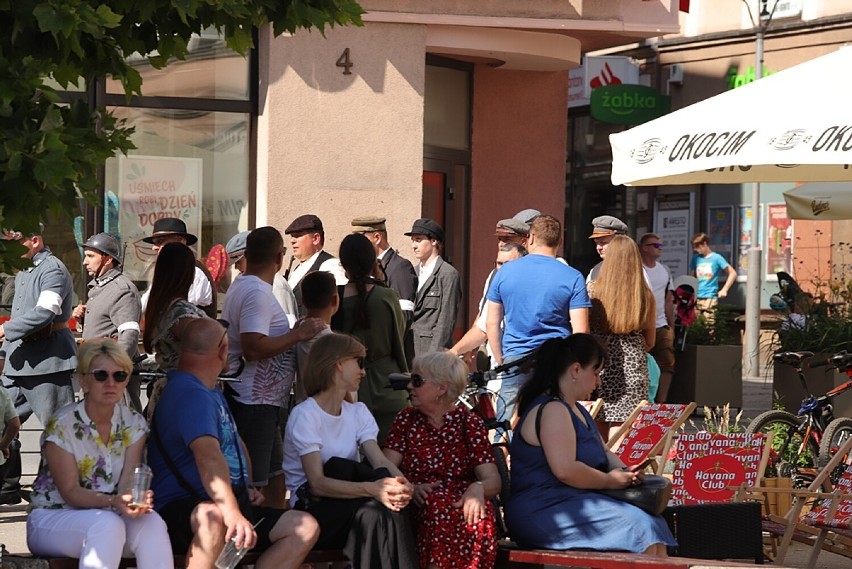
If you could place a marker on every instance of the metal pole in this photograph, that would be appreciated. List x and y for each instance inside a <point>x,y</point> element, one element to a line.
<point>754,273</point>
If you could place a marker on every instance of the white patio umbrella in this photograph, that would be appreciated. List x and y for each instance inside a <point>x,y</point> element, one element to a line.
<point>818,201</point>
<point>792,126</point>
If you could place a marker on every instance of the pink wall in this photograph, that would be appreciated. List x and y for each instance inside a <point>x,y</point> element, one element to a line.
<point>518,158</point>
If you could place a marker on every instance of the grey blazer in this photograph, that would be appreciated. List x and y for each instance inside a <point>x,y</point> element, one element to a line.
<point>436,307</point>
<point>56,351</point>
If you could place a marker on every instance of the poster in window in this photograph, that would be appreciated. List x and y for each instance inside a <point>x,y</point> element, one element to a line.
<point>672,225</point>
<point>779,242</point>
<point>720,230</point>
<point>149,188</point>
<point>745,223</point>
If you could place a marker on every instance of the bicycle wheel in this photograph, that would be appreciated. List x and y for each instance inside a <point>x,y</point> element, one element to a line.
<point>836,434</point>
<point>789,458</point>
<point>499,501</point>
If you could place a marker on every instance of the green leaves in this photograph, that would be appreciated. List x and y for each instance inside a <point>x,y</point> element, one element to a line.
<point>51,152</point>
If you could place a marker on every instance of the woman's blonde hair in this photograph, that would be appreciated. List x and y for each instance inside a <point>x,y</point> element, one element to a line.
<point>620,293</point>
<point>325,353</point>
<point>108,347</point>
<point>445,368</point>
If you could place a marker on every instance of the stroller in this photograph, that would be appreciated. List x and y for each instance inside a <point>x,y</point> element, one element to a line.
<point>684,299</point>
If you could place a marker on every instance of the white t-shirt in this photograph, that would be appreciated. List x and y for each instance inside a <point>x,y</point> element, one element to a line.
<point>311,429</point>
<point>250,307</point>
<point>285,297</point>
<point>660,280</point>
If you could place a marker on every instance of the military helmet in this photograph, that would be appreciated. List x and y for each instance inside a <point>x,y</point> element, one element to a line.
<point>106,244</point>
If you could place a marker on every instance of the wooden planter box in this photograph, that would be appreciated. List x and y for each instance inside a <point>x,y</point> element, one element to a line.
<point>708,375</point>
<point>785,382</point>
<point>778,503</point>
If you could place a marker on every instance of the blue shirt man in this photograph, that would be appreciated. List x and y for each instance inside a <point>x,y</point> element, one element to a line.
<point>540,298</point>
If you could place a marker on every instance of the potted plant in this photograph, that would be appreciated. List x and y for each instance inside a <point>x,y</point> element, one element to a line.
<point>820,323</point>
<point>709,369</point>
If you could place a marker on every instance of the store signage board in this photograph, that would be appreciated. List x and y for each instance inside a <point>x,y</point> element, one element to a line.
<point>628,104</point>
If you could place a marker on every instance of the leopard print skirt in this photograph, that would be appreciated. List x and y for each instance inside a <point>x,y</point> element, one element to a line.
<point>624,379</point>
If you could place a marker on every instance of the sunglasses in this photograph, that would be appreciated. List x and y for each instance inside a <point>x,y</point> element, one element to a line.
<point>654,245</point>
<point>417,380</point>
<point>101,375</point>
<point>224,323</point>
<point>361,361</point>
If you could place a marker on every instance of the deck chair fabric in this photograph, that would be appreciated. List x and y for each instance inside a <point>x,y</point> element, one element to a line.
<point>704,517</point>
<point>649,431</point>
<point>710,467</point>
<point>828,523</point>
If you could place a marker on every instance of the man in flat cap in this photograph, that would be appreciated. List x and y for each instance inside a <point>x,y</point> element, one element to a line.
<point>113,308</point>
<point>202,292</point>
<point>436,305</point>
<point>511,237</point>
<point>399,271</point>
<point>604,229</point>
<point>38,354</point>
<point>307,239</point>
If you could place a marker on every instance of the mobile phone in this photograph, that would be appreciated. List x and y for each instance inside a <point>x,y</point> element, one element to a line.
<point>641,466</point>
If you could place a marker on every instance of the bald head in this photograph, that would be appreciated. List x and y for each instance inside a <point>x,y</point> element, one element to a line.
<point>204,349</point>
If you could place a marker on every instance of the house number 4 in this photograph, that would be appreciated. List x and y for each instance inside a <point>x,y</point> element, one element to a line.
<point>343,61</point>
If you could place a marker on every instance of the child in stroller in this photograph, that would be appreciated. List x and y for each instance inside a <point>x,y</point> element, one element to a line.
<point>684,299</point>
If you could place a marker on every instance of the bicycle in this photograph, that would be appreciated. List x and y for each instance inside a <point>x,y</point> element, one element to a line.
<point>839,430</point>
<point>797,443</point>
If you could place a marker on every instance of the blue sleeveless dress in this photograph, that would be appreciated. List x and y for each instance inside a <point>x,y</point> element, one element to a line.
<point>545,513</point>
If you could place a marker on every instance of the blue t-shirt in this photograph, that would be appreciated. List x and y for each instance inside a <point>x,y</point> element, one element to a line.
<point>707,272</point>
<point>188,409</point>
<point>536,292</point>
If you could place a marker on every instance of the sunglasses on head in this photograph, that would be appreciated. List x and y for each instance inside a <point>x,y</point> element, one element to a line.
<point>102,375</point>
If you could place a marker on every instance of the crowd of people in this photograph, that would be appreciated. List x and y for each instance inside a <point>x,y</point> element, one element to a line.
<point>309,448</point>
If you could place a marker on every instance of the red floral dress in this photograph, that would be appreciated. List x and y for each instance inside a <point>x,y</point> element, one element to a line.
<point>447,455</point>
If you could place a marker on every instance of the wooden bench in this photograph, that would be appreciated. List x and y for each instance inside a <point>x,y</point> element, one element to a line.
<point>508,558</point>
<point>27,561</point>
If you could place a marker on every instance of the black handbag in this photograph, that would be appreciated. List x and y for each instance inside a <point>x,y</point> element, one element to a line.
<point>652,495</point>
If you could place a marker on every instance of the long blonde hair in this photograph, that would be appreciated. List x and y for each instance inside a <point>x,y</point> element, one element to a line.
<point>620,291</point>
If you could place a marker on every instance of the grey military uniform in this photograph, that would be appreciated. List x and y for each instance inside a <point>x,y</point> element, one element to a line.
<point>39,348</point>
<point>113,310</point>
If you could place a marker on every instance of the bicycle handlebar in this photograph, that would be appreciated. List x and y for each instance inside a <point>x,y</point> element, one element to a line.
<point>399,381</point>
<point>793,359</point>
<point>840,360</point>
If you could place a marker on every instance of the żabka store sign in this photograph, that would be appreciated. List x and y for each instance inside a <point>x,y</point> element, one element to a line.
<point>628,104</point>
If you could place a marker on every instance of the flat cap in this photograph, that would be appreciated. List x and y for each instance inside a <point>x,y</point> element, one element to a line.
<point>429,228</point>
<point>607,225</point>
<point>237,244</point>
<point>307,222</point>
<point>526,215</point>
<point>369,223</point>
<point>511,228</point>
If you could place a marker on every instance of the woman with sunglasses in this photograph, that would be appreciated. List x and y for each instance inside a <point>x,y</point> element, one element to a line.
<point>370,311</point>
<point>81,504</point>
<point>444,450</point>
<point>358,506</point>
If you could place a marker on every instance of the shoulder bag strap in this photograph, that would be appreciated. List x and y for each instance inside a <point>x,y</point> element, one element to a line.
<point>155,437</point>
<point>538,418</point>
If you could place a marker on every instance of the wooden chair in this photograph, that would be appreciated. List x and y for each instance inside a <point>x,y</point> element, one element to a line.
<point>648,432</point>
<point>593,407</point>
<point>710,471</point>
<point>827,524</point>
